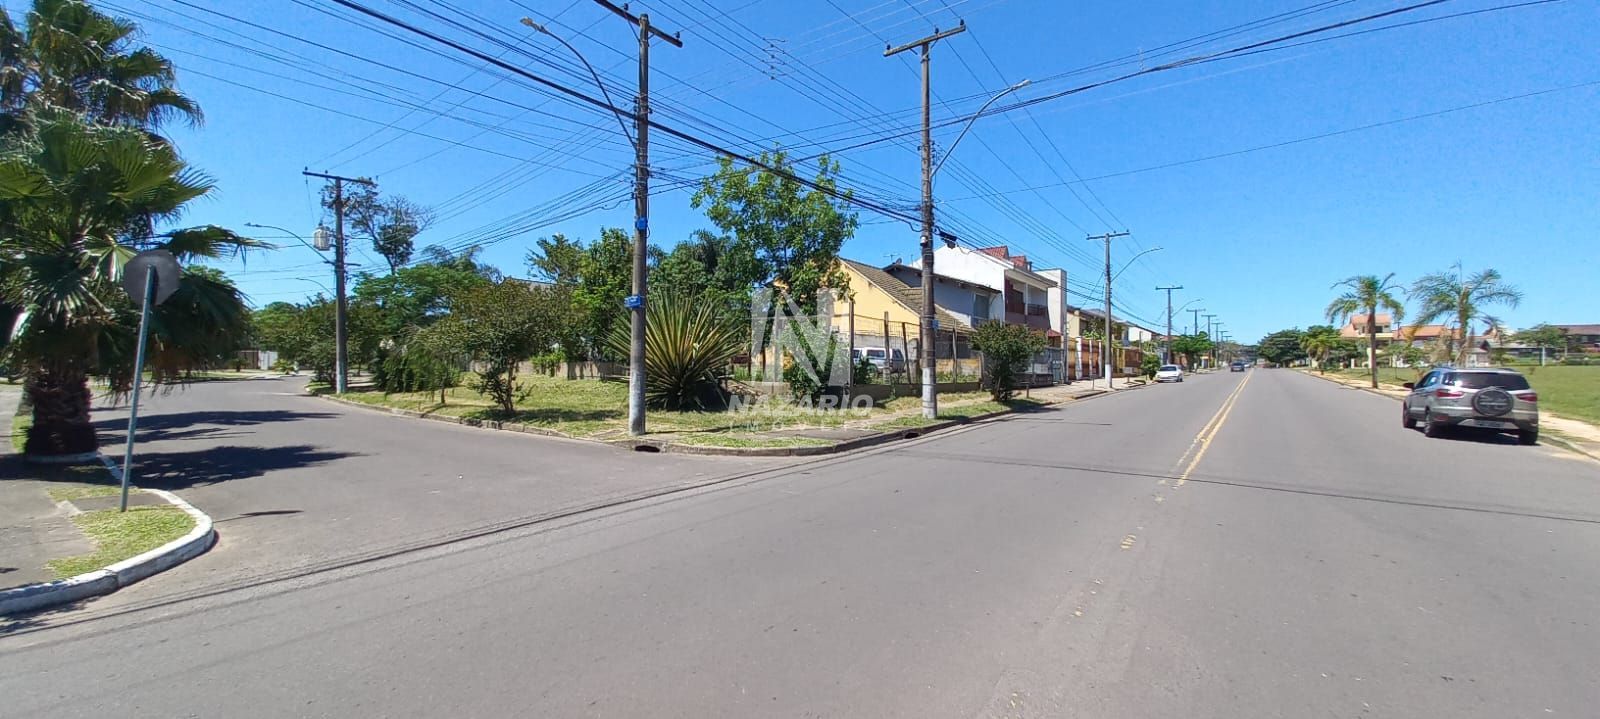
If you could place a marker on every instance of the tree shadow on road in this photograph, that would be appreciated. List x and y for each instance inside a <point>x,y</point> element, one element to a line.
<point>181,470</point>
<point>199,425</point>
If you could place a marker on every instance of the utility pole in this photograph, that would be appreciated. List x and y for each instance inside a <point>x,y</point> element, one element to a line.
<point>1211,337</point>
<point>1195,327</point>
<point>1166,356</point>
<point>1106,356</point>
<point>641,211</point>
<point>930,397</point>
<point>341,320</point>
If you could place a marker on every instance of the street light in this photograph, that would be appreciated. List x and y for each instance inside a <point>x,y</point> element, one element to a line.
<point>1130,261</point>
<point>320,239</point>
<point>615,111</point>
<point>974,119</point>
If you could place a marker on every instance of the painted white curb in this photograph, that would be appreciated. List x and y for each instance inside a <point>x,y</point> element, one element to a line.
<point>121,574</point>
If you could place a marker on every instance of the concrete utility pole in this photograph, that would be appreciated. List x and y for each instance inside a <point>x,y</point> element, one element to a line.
<point>341,320</point>
<point>641,209</point>
<point>1211,337</point>
<point>930,398</point>
<point>1195,327</point>
<point>1106,340</point>
<point>1166,355</point>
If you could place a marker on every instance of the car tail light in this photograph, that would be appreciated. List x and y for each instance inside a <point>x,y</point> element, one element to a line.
<point>1447,393</point>
<point>1529,396</point>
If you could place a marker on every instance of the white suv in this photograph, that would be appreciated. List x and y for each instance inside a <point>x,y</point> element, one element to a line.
<point>1498,399</point>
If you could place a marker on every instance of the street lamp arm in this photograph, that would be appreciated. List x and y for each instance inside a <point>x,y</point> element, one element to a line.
<point>974,119</point>
<point>615,111</point>
<point>1130,262</point>
<point>294,235</point>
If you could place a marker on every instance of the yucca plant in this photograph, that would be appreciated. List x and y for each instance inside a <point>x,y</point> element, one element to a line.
<point>686,343</point>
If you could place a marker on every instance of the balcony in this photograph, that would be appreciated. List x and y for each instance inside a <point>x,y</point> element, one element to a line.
<point>1028,319</point>
<point>1038,310</point>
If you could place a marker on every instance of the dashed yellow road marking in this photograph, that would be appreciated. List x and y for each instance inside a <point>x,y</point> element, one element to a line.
<point>1127,542</point>
<point>1202,441</point>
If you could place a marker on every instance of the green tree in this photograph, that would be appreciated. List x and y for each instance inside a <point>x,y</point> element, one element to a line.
<point>499,325</point>
<point>784,232</point>
<point>76,201</point>
<point>413,296</point>
<point>605,282</point>
<point>1319,343</point>
<point>1543,336</point>
<point>1005,348</point>
<point>1192,346</point>
<point>1462,299</point>
<point>390,224</point>
<point>1367,294</point>
<point>557,260</point>
<point>71,56</point>
<point>1282,347</point>
<point>1150,365</point>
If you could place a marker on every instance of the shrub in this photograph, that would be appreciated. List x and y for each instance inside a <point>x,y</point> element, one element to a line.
<point>1005,348</point>
<point>687,342</point>
<point>1150,366</point>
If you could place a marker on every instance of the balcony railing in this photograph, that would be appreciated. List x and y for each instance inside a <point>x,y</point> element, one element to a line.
<point>1038,310</point>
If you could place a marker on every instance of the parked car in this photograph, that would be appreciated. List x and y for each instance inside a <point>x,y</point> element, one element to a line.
<point>893,361</point>
<point>1238,366</point>
<point>1497,399</point>
<point>1169,373</point>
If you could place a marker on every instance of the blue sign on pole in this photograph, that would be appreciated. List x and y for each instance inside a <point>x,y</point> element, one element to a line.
<point>641,224</point>
<point>633,302</point>
<point>935,323</point>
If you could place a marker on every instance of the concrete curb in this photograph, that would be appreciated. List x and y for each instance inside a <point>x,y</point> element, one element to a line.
<point>34,597</point>
<point>645,445</point>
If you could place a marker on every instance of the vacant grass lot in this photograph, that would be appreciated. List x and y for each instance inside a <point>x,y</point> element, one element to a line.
<point>1567,391</point>
<point>593,409</point>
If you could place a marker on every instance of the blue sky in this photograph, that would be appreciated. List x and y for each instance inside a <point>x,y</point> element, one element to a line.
<point>1258,236</point>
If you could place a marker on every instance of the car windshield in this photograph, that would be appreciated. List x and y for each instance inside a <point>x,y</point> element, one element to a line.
<point>1170,368</point>
<point>1481,380</point>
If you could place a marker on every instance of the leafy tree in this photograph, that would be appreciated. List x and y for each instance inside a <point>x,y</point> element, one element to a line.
<point>687,343</point>
<point>76,201</point>
<point>1367,294</point>
<point>499,325</point>
<point>1282,347</point>
<point>1150,365</point>
<point>605,281</point>
<point>1543,336</point>
<point>1005,347</point>
<point>1192,346</point>
<point>1463,299</point>
<point>557,260</point>
<point>413,296</point>
<point>1319,343</point>
<point>71,56</point>
<point>784,232</point>
<point>463,259</point>
<point>424,360</point>
<point>390,224</point>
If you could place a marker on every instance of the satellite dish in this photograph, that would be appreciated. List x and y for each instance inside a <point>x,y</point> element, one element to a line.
<point>166,280</point>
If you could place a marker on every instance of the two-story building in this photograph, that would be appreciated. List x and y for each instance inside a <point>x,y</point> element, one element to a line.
<point>1020,295</point>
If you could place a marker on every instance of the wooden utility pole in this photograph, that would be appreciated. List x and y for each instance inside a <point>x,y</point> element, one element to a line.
<point>925,342</point>
<point>341,320</point>
<point>641,216</point>
<point>1166,356</point>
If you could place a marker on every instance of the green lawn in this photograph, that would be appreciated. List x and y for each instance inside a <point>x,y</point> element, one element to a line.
<point>594,409</point>
<point>120,535</point>
<point>962,411</point>
<point>1393,376</point>
<point>19,430</point>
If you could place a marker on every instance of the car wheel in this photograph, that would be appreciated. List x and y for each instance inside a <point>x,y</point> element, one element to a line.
<point>1405,417</point>
<point>1528,436</point>
<point>1430,427</point>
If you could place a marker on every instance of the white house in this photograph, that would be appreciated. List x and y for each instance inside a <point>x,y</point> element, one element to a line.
<point>1025,295</point>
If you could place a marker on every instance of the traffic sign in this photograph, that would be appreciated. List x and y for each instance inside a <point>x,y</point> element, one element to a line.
<point>165,281</point>
<point>633,302</point>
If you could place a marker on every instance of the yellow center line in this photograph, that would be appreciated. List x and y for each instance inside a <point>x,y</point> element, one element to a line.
<point>1209,432</point>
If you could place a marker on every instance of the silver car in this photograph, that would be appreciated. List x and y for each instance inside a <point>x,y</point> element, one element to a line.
<point>1497,399</point>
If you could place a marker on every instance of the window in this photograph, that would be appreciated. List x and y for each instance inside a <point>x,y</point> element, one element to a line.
<point>1481,380</point>
<point>980,308</point>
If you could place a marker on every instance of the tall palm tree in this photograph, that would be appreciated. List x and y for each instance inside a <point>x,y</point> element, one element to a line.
<point>1463,299</point>
<point>77,201</point>
<point>71,56</point>
<point>1367,293</point>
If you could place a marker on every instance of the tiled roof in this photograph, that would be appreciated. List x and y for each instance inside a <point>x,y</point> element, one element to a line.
<point>908,296</point>
<point>1581,329</point>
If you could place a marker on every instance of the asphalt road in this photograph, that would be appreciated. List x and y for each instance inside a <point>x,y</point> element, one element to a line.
<point>1239,545</point>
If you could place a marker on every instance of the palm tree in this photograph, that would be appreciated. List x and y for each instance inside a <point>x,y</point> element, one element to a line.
<point>1318,342</point>
<point>1367,293</point>
<point>77,201</point>
<point>71,56</point>
<point>1449,295</point>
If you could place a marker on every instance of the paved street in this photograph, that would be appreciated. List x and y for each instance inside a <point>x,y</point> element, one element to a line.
<point>1239,545</point>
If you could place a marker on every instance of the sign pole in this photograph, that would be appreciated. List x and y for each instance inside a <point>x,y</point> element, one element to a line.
<point>138,379</point>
